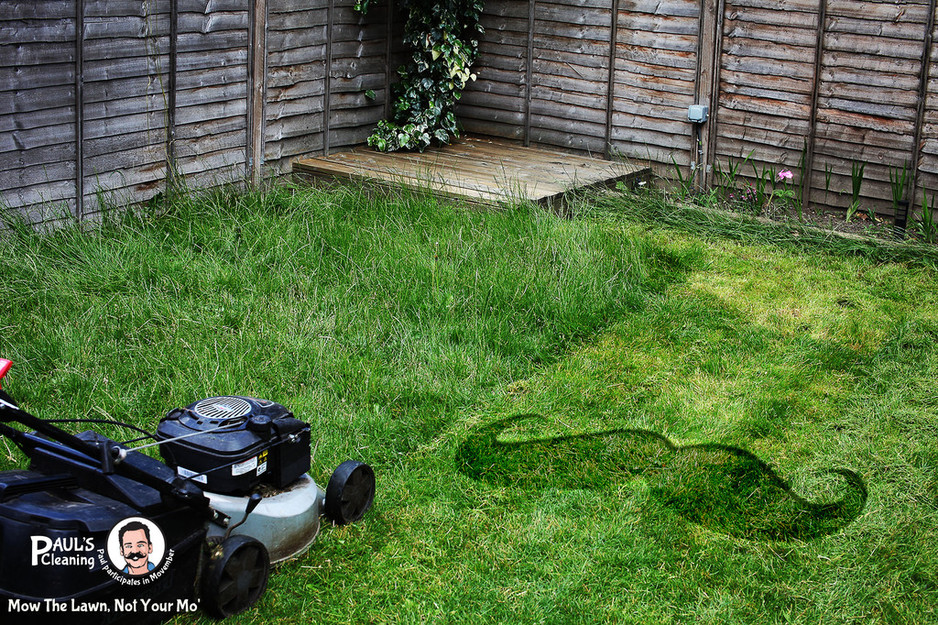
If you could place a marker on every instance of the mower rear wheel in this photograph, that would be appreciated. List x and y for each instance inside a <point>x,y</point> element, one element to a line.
<point>236,577</point>
<point>350,492</point>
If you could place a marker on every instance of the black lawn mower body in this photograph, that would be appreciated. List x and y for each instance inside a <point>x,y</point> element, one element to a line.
<point>60,519</point>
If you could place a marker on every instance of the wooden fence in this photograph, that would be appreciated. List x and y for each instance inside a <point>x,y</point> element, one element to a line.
<point>98,97</point>
<point>813,86</point>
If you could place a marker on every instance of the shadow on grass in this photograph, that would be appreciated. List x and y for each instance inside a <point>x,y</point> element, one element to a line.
<point>723,488</point>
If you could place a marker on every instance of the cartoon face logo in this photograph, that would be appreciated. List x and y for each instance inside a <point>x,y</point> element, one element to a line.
<point>135,546</point>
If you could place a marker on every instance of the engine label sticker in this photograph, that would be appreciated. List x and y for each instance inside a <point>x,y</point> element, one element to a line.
<point>196,477</point>
<point>244,467</point>
<point>261,462</point>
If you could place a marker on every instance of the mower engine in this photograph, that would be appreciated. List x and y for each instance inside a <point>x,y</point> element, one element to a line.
<point>234,446</point>
<point>230,445</point>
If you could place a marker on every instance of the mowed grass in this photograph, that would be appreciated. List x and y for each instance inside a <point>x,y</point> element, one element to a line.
<point>400,327</point>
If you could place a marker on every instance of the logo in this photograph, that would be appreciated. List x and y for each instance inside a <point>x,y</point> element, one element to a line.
<point>136,552</point>
<point>62,551</point>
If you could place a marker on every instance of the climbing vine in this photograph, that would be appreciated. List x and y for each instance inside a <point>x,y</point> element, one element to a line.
<point>443,37</point>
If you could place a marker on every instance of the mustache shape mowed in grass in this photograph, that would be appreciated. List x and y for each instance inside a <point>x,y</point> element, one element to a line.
<point>723,488</point>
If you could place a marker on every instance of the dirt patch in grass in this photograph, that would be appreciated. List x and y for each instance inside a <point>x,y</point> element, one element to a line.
<point>861,224</point>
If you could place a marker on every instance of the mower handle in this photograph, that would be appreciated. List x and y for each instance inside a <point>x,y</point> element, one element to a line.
<point>108,454</point>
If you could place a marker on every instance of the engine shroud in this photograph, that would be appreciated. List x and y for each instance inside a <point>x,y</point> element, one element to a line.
<point>232,444</point>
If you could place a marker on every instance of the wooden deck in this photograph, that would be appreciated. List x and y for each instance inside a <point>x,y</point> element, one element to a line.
<point>485,171</point>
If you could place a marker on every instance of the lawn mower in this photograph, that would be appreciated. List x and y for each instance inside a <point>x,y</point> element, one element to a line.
<point>99,531</point>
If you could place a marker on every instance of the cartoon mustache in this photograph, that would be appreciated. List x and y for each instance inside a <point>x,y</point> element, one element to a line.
<point>723,488</point>
<point>135,555</point>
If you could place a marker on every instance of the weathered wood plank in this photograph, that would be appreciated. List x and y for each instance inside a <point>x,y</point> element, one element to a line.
<point>294,127</point>
<point>55,197</point>
<point>788,83</point>
<point>26,167</point>
<point>562,16</point>
<point>904,29</point>
<point>886,110</point>
<point>29,10</point>
<point>781,20</point>
<point>25,120</point>
<point>768,34</point>
<point>660,25</point>
<point>782,6</point>
<point>871,46</point>
<point>32,138</point>
<point>759,105</point>
<point>44,31</point>
<point>788,138</point>
<point>675,8</point>
<point>39,53</point>
<point>746,48</point>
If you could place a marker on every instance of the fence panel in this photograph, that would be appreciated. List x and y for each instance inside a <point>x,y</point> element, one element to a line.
<point>123,105</point>
<point>37,109</point>
<point>766,85</point>
<point>655,80</point>
<point>868,97</point>
<point>109,99</point>
<point>816,85</point>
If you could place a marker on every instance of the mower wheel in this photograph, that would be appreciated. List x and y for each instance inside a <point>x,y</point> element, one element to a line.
<point>236,576</point>
<point>350,492</point>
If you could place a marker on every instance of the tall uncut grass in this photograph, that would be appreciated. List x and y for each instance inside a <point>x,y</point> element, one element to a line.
<point>332,302</point>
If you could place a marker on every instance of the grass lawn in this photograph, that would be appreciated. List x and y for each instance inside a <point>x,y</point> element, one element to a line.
<point>640,414</point>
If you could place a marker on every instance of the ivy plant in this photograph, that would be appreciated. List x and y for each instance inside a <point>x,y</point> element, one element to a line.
<point>443,37</point>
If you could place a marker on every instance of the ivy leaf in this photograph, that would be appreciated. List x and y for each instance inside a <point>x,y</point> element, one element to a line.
<point>430,85</point>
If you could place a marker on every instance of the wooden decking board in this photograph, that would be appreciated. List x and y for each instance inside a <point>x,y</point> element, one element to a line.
<point>476,169</point>
<point>457,166</point>
<point>399,169</point>
<point>339,170</point>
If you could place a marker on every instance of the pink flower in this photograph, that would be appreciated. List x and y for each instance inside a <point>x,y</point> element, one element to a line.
<point>785,174</point>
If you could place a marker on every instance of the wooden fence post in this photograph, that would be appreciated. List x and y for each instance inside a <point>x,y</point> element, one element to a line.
<point>327,84</point>
<point>807,168</point>
<point>79,109</point>
<point>610,87</point>
<point>707,86</point>
<point>388,55</point>
<point>257,90</point>
<point>529,74</point>
<point>171,97</point>
<point>924,73</point>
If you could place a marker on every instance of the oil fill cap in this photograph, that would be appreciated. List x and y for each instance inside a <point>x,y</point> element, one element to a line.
<point>259,423</point>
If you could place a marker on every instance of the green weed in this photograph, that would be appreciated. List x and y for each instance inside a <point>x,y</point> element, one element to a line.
<point>856,182</point>
<point>926,224</point>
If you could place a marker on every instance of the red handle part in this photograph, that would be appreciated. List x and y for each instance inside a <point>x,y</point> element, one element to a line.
<point>4,367</point>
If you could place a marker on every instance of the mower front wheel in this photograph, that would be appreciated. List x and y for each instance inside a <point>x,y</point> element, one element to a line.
<point>350,492</point>
<point>236,576</point>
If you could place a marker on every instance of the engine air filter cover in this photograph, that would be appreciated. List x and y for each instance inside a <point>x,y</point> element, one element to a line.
<point>231,444</point>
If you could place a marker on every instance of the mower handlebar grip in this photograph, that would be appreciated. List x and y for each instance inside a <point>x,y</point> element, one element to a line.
<point>4,367</point>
